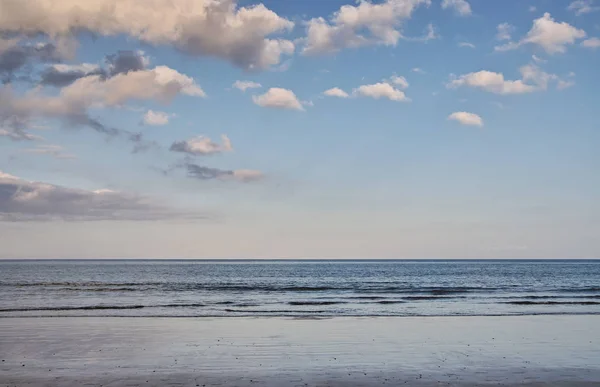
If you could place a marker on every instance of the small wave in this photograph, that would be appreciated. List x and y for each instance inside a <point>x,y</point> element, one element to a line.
<point>552,302</point>
<point>553,297</point>
<point>258,312</point>
<point>65,308</point>
<point>590,289</point>
<point>92,284</point>
<point>425,298</point>
<point>99,307</point>
<point>300,303</point>
<point>367,298</point>
<point>386,302</point>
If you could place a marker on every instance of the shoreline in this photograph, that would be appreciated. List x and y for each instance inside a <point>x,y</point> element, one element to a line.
<point>280,351</point>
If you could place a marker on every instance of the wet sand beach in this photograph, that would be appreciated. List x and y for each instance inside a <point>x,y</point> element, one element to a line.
<point>343,351</point>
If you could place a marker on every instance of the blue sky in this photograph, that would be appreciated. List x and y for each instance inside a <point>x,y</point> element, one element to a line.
<point>464,129</point>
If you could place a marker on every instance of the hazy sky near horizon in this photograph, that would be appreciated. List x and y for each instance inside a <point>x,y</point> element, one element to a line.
<point>299,129</point>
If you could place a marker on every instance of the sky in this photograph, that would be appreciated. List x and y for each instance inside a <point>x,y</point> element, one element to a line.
<point>299,129</point>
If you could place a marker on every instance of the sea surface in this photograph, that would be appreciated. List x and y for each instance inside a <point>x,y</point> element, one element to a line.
<point>298,288</point>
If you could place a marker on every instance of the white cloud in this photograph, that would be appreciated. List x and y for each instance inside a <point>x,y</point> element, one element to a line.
<point>552,36</point>
<point>466,118</point>
<point>399,81</point>
<point>461,7</point>
<point>533,79</point>
<point>278,98</point>
<point>504,31</point>
<point>202,146</point>
<point>24,200</point>
<point>532,8</point>
<point>466,44</point>
<point>241,35</point>
<point>381,90</point>
<point>55,151</point>
<point>591,43</point>
<point>537,59</point>
<point>336,92</point>
<point>155,118</point>
<point>561,85</point>
<point>364,24</point>
<point>244,85</point>
<point>581,7</point>
<point>73,102</point>
<point>491,82</point>
<point>418,70</point>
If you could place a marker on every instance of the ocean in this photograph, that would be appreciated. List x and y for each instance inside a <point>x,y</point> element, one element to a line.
<point>320,288</point>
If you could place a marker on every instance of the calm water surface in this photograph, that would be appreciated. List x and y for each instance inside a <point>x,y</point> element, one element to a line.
<point>314,288</point>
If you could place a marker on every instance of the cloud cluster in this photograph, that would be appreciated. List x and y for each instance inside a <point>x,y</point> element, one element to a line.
<point>240,35</point>
<point>553,37</point>
<point>466,118</point>
<point>278,98</point>
<point>533,78</point>
<point>364,24</point>
<point>202,146</point>
<point>22,200</point>
<point>71,105</point>
<point>388,89</point>
<point>591,43</point>
<point>336,92</point>
<point>245,85</point>
<point>155,118</point>
<point>504,31</point>
<point>581,7</point>
<point>381,90</point>
<point>461,7</point>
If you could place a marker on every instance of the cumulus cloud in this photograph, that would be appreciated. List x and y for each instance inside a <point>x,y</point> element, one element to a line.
<point>581,7</point>
<point>354,26</point>
<point>200,172</point>
<point>278,98</point>
<point>240,35</point>
<point>381,90</point>
<point>550,35</point>
<point>56,151</point>
<point>399,81</point>
<point>591,43</point>
<point>418,70</point>
<point>202,146</point>
<point>245,85</point>
<point>533,78</point>
<point>22,200</point>
<point>504,31</point>
<point>466,44</point>
<point>336,92</point>
<point>466,118</point>
<point>155,118</point>
<point>461,7</point>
